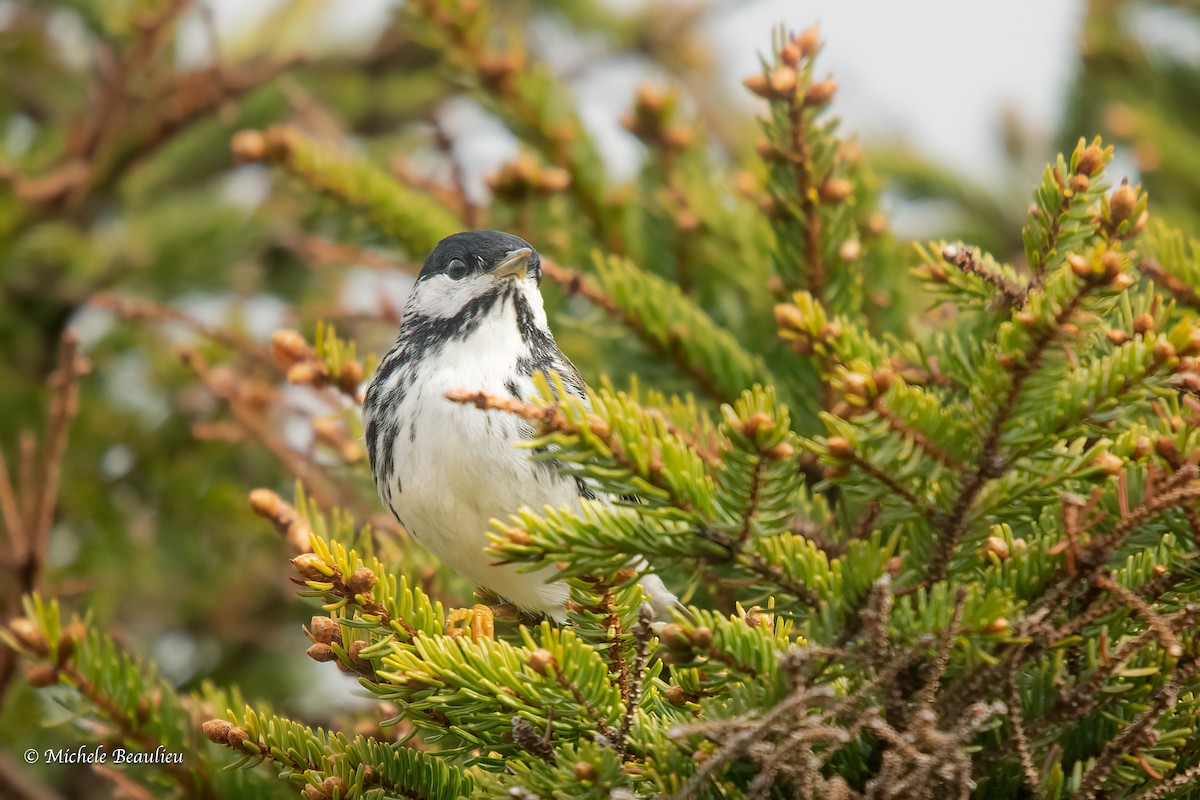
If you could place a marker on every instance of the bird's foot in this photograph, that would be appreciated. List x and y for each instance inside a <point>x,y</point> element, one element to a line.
<point>478,620</point>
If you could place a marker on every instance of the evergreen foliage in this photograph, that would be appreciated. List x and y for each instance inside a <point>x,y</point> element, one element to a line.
<point>932,511</point>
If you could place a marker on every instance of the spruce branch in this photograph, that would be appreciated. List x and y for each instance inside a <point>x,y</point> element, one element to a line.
<point>632,689</point>
<point>1130,738</point>
<point>1010,295</point>
<point>27,506</point>
<point>990,463</point>
<point>409,217</point>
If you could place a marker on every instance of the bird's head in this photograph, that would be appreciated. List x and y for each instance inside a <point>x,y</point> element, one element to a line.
<point>467,268</point>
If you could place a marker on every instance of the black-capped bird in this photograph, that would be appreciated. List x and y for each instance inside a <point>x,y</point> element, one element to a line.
<point>474,320</point>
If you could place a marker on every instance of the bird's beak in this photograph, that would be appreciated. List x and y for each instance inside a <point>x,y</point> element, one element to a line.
<point>515,263</point>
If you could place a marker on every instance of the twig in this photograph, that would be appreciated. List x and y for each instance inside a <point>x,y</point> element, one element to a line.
<point>990,465</point>
<point>964,258</point>
<point>633,690</point>
<point>1125,741</point>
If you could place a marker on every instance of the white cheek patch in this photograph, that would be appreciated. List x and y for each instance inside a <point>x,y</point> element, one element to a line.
<point>442,298</point>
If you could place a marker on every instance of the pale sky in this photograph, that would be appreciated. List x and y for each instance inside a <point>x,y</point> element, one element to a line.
<point>936,73</point>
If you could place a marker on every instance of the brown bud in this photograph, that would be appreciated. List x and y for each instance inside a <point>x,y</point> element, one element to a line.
<point>350,375</point>
<point>781,451</point>
<point>673,637</point>
<point>856,385</point>
<point>758,85</point>
<point>624,575</point>
<point>675,695</point>
<point>319,651</point>
<point>1117,337</point>
<point>26,631</point>
<point>820,93</point>
<point>790,54</point>
<point>72,635</point>
<point>701,756</point>
<point>1141,447</point>
<point>541,661</point>
<point>756,618</point>
<point>1110,463</point>
<point>1079,265</point>
<point>686,221</point>
<point>39,676</point>
<point>265,503</point>
<point>809,42</point>
<point>217,730</point>
<point>782,81</point>
<point>1025,319</point>
<point>1122,281</point>
<point>1164,351</point>
<point>894,565</point>
<point>1079,183</point>
<point>1166,450</point>
<point>289,347</point>
<point>584,771</point>
<point>835,190</point>
<point>334,784</point>
<point>237,737</point>
<point>1110,263</point>
<point>325,630</point>
<point>1192,347</point>
<point>744,183</point>
<point>1140,225</point>
<point>876,223</point>
<point>313,793</point>
<point>650,98</point>
<point>1090,160</point>
<point>1143,323</point>
<point>310,566</point>
<point>997,546</point>
<point>702,638</point>
<point>850,250</point>
<point>307,373</point>
<point>554,180</point>
<point>998,625</point>
<point>1122,203</point>
<point>361,582</point>
<point>248,145</point>
<point>840,448</point>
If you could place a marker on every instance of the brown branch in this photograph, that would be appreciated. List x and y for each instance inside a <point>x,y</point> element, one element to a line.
<point>632,690</point>
<point>1130,738</point>
<point>305,470</point>
<point>1161,629</point>
<point>1184,294</point>
<point>1186,778</point>
<point>891,483</point>
<point>142,310</point>
<point>1033,779</point>
<point>916,437</point>
<point>964,258</point>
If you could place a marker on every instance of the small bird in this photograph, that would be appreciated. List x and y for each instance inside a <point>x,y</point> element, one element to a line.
<point>474,320</point>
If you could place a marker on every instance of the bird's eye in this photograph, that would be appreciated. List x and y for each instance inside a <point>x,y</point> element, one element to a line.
<point>457,270</point>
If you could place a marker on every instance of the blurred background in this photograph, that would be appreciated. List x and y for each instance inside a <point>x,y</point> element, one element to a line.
<point>125,217</point>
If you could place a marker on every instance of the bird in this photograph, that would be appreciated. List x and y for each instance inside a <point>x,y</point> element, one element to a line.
<point>474,320</point>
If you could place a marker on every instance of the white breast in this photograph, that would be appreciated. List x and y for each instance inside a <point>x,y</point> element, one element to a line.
<point>458,467</point>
